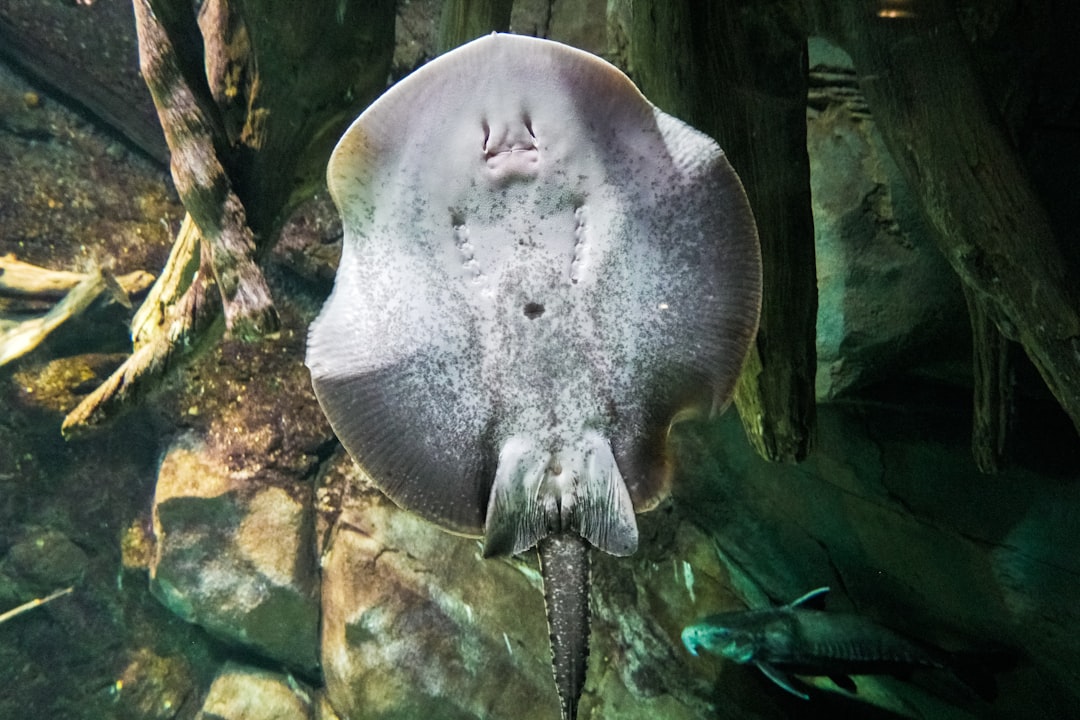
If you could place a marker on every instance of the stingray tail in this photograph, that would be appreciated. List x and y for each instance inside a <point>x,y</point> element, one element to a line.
<point>564,564</point>
<point>558,500</point>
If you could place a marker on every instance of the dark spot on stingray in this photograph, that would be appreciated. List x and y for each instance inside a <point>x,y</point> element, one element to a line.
<point>533,310</point>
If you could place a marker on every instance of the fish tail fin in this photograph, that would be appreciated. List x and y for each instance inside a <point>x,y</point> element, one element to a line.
<point>576,488</point>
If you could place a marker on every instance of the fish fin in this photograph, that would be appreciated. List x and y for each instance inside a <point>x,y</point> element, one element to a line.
<point>844,682</point>
<point>529,501</point>
<point>689,639</point>
<point>813,600</point>
<point>781,679</point>
<point>605,512</point>
<point>516,516</point>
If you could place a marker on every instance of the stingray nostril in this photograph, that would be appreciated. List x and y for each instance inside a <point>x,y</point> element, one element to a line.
<point>533,310</point>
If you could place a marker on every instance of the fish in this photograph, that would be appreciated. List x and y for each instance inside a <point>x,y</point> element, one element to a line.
<point>801,638</point>
<point>541,271</point>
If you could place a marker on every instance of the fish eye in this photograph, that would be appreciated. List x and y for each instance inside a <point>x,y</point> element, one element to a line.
<point>533,310</point>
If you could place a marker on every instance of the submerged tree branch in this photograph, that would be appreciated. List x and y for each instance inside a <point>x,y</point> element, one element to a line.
<point>250,111</point>
<point>203,184</point>
<point>188,327</point>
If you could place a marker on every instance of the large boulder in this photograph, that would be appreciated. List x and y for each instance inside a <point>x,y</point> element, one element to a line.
<point>236,556</point>
<point>887,298</point>
<point>233,512</point>
<point>241,692</point>
<point>416,623</point>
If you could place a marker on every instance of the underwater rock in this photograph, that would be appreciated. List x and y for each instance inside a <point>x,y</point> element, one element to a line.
<point>154,687</point>
<point>45,559</point>
<point>235,556</point>
<point>416,623</point>
<point>233,508</point>
<point>885,293</point>
<point>245,693</point>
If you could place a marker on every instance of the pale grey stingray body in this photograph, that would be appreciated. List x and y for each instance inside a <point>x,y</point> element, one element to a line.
<point>540,271</point>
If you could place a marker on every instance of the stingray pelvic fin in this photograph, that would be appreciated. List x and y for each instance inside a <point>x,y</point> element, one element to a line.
<point>575,489</point>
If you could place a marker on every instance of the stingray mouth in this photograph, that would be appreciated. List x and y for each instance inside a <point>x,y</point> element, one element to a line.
<point>510,146</point>
<point>519,157</point>
<point>497,152</point>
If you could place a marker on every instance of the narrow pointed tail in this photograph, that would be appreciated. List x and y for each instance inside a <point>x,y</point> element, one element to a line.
<point>564,564</point>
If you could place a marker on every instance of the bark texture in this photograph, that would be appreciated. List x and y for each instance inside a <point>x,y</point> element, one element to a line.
<point>920,83</point>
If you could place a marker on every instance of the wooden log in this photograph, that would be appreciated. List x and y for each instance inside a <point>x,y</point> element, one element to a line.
<point>919,81</point>
<point>738,71</point>
<point>22,279</point>
<point>255,95</point>
<point>465,20</point>
<point>36,602</point>
<point>177,275</point>
<point>992,388</point>
<point>288,78</point>
<point>193,323</point>
<point>88,56</point>
<point>17,339</point>
<point>193,133</point>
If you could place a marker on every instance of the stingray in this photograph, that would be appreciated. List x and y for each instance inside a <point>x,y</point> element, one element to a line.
<point>541,272</point>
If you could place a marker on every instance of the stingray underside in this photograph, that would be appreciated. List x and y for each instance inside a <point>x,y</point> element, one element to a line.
<point>539,272</point>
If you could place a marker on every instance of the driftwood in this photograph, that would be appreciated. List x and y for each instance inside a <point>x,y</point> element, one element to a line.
<point>738,71</point>
<point>95,68</point>
<point>36,602</point>
<point>251,96</point>
<point>992,381</point>
<point>464,20</point>
<point>78,291</point>
<point>189,326</point>
<point>22,279</point>
<point>918,78</point>
<point>193,132</point>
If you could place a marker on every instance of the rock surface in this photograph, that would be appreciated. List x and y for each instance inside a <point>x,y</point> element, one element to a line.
<point>246,693</point>
<point>235,557</point>
<point>416,623</point>
<point>887,299</point>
